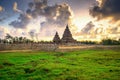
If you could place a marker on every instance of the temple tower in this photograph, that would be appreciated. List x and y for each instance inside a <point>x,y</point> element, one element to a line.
<point>56,38</point>
<point>67,36</point>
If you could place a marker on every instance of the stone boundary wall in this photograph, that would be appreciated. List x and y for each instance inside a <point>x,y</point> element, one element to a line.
<point>54,47</point>
<point>32,46</point>
<point>85,47</point>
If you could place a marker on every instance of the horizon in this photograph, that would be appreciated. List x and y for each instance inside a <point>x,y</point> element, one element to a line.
<point>91,20</point>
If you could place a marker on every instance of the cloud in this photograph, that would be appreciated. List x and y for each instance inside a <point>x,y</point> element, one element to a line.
<point>107,13</point>
<point>57,14</point>
<point>54,17</point>
<point>87,29</point>
<point>105,9</point>
<point>23,19</point>
<point>15,8</point>
<point>3,31</point>
<point>21,22</point>
<point>1,9</point>
<point>2,19</point>
<point>98,30</point>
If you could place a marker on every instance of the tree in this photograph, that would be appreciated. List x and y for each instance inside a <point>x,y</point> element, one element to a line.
<point>110,42</point>
<point>9,38</point>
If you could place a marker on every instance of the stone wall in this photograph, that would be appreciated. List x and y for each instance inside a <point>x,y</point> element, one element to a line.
<point>32,46</point>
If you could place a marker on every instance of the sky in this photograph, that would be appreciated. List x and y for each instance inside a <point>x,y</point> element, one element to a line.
<point>40,19</point>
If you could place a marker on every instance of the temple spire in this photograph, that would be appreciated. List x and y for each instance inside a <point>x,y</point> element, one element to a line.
<point>56,38</point>
<point>67,36</point>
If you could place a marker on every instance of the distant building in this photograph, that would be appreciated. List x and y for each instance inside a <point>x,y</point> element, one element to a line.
<point>67,37</point>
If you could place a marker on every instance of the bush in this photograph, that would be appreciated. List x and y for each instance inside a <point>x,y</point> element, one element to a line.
<point>7,63</point>
<point>29,70</point>
<point>88,42</point>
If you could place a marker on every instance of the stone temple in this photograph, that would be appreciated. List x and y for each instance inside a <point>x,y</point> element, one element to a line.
<point>66,38</point>
<point>56,38</point>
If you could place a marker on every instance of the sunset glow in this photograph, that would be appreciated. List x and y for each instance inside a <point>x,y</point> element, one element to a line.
<point>86,19</point>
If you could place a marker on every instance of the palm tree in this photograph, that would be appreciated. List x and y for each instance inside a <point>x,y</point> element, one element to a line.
<point>9,38</point>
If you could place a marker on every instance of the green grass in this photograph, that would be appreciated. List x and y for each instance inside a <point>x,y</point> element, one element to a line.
<point>74,65</point>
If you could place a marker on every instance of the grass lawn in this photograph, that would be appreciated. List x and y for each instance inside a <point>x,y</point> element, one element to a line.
<point>74,65</point>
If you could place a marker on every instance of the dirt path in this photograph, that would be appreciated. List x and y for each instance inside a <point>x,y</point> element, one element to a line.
<point>87,47</point>
<point>16,51</point>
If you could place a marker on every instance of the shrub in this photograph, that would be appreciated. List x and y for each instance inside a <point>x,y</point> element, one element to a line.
<point>110,42</point>
<point>7,63</point>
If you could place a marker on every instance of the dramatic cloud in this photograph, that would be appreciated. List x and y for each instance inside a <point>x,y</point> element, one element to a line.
<point>98,30</point>
<point>56,14</point>
<point>21,22</point>
<point>107,13</point>
<point>105,9</point>
<point>23,19</point>
<point>42,19</point>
